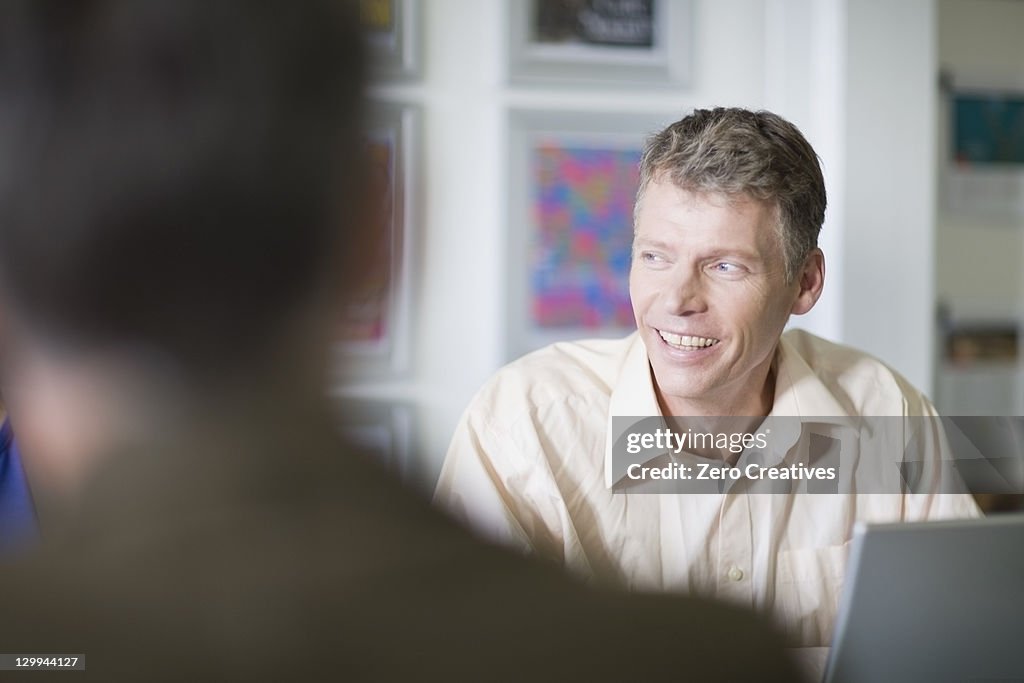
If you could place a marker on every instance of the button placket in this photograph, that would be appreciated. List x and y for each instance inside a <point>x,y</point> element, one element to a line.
<point>736,551</point>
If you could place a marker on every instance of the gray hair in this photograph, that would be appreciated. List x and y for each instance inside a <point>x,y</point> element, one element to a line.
<point>737,152</point>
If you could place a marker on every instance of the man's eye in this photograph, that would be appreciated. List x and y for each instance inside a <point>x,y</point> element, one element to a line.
<point>725,267</point>
<point>650,257</point>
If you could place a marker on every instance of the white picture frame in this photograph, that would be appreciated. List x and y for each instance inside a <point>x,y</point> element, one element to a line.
<point>392,29</point>
<point>375,339</point>
<point>553,294</point>
<point>659,57</point>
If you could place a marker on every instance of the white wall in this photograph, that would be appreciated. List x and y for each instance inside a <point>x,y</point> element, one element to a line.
<point>800,58</point>
<point>890,105</point>
<point>979,257</point>
<point>804,73</point>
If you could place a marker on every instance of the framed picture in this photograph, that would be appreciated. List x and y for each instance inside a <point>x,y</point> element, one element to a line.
<point>988,128</point>
<point>984,147</point>
<point>375,327</point>
<point>382,429</point>
<point>631,42</point>
<point>393,34</point>
<point>573,178</point>
<point>992,341</point>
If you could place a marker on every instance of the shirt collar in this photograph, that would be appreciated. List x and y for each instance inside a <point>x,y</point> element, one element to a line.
<point>799,392</point>
<point>632,396</point>
<point>633,393</point>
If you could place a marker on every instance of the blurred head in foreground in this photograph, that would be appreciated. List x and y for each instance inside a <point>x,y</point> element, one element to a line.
<point>174,178</point>
<point>180,216</point>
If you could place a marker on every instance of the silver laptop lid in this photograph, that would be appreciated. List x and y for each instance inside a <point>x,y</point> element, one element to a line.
<point>933,601</point>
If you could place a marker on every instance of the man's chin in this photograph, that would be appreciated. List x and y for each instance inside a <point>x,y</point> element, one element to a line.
<point>675,388</point>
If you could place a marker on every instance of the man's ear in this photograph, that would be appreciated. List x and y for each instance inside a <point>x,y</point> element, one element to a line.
<point>811,280</point>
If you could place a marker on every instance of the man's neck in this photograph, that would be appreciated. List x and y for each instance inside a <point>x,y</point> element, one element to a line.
<point>724,403</point>
<point>736,412</point>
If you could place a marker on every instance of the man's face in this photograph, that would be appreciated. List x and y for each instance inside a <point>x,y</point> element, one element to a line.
<point>710,298</point>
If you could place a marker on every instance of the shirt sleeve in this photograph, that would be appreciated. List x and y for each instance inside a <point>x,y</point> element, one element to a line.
<point>939,491</point>
<point>471,487</point>
<point>498,484</point>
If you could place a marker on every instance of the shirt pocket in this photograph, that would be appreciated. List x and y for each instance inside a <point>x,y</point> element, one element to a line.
<point>808,585</point>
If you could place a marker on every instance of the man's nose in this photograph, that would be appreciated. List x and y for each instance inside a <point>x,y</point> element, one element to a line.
<point>686,294</point>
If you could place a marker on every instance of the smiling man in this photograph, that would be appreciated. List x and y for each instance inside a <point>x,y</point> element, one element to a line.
<point>725,251</point>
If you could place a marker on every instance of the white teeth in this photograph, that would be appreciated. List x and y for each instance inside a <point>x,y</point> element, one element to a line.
<point>685,341</point>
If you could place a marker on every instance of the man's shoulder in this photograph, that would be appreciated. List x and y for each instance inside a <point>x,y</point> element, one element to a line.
<point>830,356</point>
<point>856,378</point>
<point>587,367</point>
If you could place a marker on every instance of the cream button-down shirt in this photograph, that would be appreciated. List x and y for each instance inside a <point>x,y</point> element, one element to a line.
<point>527,467</point>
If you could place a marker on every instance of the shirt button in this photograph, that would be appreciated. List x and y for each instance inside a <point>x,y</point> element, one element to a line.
<point>736,574</point>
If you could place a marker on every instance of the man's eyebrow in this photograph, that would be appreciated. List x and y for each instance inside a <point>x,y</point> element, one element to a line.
<point>726,252</point>
<point>641,241</point>
<point>649,242</point>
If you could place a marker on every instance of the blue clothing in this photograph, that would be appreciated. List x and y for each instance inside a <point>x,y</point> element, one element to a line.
<point>17,513</point>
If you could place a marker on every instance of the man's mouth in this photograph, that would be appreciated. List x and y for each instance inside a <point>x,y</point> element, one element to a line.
<point>687,342</point>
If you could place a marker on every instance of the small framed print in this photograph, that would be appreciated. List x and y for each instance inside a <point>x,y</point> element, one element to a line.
<point>632,42</point>
<point>393,34</point>
<point>574,178</point>
<point>984,145</point>
<point>375,327</point>
<point>988,128</point>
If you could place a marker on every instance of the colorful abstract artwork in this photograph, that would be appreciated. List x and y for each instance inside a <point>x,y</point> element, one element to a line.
<point>367,317</point>
<point>373,329</point>
<point>579,259</point>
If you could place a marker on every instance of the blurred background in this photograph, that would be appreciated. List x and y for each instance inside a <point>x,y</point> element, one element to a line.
<point>505,135</point>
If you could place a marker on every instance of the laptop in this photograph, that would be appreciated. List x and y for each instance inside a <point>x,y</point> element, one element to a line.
<point>933,601</point>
